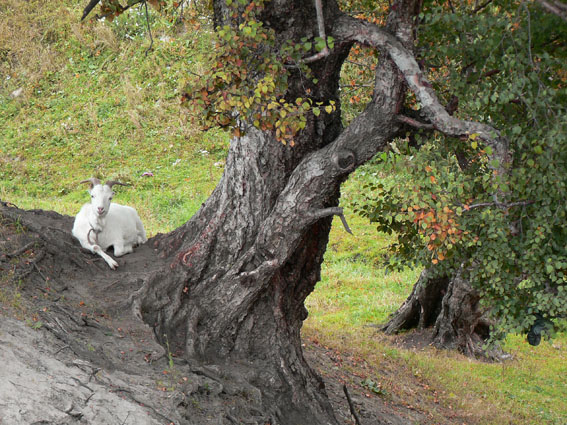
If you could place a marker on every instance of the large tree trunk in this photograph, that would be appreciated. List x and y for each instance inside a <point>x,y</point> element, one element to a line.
<point>450,307</point>
<point>241,268</point>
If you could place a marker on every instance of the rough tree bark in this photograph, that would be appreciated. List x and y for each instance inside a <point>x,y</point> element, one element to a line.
<point>241,268</point>
<point>450,307</point>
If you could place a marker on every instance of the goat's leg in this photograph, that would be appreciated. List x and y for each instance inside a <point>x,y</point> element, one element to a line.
<point>109,260</point>
<point>120,250</point>
<point>95,249</point>
<point>141,232</point>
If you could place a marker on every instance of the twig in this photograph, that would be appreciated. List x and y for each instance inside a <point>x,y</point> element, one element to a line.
<point>128,415</point>
<point>20,250</point>
<point>351,406</point>
<point>33,263</point>
<point>122,10</point>
<point>326,212</point>
<point>451,6</point>
<point>88,8</point>
<point>149,29</point>
<point>78,381</point>
<point>40,273</point>
<point>322,35</point>
<point>501,204</point>
<point>362,65</point>
<point>88,398</point>
<point>111,285</point>
<point>482,6</point>
<point>414,123</point>
<point>355,86</point>
<point>555,7</point>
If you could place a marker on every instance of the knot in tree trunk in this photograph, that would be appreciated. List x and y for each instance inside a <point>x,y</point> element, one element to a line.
<point>344,159</point>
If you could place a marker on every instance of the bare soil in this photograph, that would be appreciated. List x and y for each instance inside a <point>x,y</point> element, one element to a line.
<point>73,352</point>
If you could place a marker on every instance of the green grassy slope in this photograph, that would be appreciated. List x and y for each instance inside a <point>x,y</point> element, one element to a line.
<point>92,103</point>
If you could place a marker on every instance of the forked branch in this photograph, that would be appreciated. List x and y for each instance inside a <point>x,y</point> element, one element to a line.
<point>555,7</point>
<point>351,29</point>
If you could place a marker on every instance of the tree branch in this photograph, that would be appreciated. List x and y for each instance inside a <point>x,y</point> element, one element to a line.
<point>368,34</point>
<point>321,28</point>
<point>149,29</point>
<point>500,204</point>
<point>122,9</point>
<point>555,7</point>
<point>88,8</point>
<point>414,123</point>
<point>351,406</point>
<point>481,6</point>
<point>332,211</point>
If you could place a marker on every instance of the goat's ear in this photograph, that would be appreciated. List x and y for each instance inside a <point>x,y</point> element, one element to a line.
<point>93,181</point>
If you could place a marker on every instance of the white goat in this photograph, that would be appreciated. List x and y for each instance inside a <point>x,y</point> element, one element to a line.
<point>101,224</point>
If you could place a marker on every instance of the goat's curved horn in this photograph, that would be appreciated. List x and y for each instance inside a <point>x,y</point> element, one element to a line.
<point>93,181</point>
<point>111,183</point>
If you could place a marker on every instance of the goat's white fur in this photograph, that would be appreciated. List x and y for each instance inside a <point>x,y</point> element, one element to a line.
<point>101,224</point>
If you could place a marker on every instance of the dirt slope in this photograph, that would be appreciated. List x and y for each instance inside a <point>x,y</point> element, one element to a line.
<point>72,351</point>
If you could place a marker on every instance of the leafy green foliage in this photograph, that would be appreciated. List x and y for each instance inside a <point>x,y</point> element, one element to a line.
<point>248,81</point>
<point>103,107</point>
<point>505,64</point>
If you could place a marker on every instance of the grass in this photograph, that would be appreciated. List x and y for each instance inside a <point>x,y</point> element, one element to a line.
<point>92,103</point>
<point>354,295</point>
<point>92,113</point>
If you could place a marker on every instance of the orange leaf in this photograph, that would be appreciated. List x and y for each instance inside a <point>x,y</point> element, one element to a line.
<point>432,178</point>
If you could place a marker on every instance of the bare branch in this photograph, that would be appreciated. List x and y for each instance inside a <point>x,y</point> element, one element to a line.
<point>500,204</point>
<point>149,29</point>
<point>326,212</point>
<point>88,8</point>
<point>414,123</point>
<point>122,9</point>
<point>321,27</point>
<point>556,7</point>
<point>351,406</point>
<point>371,35</point>
<point>362,65</point>
<point>481,6</point>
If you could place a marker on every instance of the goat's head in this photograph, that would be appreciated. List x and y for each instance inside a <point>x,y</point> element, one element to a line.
<point>101,195</point>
